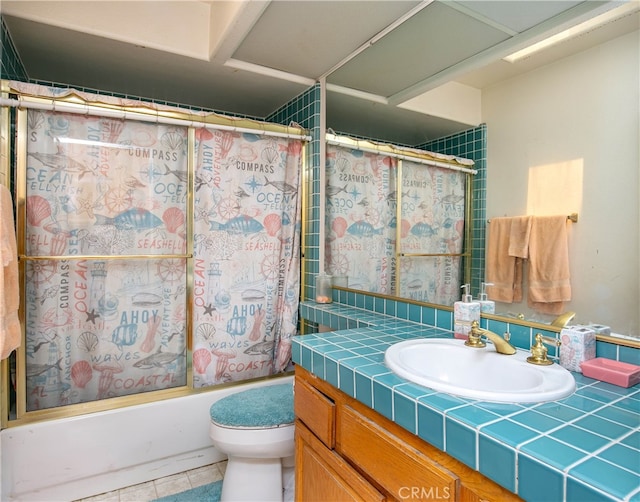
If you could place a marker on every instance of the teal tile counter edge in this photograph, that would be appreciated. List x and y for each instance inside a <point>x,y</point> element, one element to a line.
<point>585,444</point>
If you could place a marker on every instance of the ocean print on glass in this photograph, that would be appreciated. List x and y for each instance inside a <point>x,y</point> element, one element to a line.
<point>101,328</point>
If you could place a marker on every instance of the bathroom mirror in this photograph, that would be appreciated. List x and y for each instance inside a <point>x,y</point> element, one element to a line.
<point>395,220</point>
<point>563,139</point>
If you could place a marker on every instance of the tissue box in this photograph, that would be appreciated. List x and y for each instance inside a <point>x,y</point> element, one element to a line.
<point>578,346</point>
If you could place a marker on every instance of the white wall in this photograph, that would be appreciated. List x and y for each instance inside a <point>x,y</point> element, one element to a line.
<point>583,109</point>
<point>78,457</point>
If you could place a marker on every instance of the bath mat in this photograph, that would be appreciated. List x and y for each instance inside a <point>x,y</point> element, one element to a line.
<point>205,493</point>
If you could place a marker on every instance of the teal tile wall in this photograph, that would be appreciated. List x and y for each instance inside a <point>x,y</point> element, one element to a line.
<point>11,66</point>
<point>305,111</point>
<point>471,144</point>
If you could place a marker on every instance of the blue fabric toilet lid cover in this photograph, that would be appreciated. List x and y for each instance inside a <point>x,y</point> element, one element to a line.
<point>268,406</point>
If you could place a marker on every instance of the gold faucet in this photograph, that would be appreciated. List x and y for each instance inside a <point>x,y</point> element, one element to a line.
<point>563,319</point>
<point>475,340</point>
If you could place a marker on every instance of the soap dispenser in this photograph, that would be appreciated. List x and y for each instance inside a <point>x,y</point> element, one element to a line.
<point>464,313</point>
<point>486,306</point>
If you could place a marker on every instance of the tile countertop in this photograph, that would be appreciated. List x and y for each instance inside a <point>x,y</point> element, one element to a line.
<point>582,448</point>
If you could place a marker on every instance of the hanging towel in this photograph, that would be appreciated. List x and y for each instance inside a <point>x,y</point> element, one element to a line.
<point>519,236</point>
<point>503,269</point>
<point>519,248</point>
<point>10,332</point>
<point>549,278</point>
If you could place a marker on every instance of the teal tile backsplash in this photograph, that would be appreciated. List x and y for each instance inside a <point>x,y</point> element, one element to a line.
<point>628,355</point>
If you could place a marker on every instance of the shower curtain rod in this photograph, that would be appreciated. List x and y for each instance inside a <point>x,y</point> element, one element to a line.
<point>417,160</point>
<point>123,114</point>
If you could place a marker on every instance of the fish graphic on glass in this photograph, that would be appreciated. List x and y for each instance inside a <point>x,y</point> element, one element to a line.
<point>158,359</point>
<point>62,163</point>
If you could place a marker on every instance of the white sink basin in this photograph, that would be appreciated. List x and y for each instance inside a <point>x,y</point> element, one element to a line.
<point>447,365</point>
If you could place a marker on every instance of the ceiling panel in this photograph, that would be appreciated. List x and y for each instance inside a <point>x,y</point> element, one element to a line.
<point>59,55</point>
<point>502,70</point>
<point>308,38</point>
<point>521,15</point>
<point>359,117</point>
<point>434,39</point>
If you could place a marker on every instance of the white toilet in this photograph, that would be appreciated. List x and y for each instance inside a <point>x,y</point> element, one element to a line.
<point>255,429</point>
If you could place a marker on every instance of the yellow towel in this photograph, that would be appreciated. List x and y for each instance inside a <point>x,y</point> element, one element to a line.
<point>503,270</point>
<point>10,331</point>
<point>549,277</point>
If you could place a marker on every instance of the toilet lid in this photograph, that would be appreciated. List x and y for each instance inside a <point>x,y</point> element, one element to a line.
<point>261,407</point>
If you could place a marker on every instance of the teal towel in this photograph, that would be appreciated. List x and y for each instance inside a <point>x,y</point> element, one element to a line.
<point>268,406</point>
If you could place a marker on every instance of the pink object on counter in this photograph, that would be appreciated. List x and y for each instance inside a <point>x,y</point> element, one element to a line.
<point>615,372</point>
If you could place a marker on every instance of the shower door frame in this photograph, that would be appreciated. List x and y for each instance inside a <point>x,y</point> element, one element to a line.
<point>74,104</point>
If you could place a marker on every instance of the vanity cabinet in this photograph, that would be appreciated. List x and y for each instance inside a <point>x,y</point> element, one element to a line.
<point>345,451</point>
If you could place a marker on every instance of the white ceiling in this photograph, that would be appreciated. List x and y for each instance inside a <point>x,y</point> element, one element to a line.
<point>252,56</point>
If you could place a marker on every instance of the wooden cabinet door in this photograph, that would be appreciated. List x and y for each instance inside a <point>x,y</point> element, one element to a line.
<point>322,475</point>
<point>400,469</point>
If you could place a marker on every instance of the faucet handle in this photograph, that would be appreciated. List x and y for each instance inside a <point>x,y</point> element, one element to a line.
<point>475,336</point>
<point>539,351</point>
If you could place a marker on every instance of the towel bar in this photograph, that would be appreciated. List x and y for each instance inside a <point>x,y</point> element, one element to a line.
<point>573,217</point>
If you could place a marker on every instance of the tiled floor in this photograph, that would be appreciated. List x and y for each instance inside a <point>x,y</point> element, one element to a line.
<point>162,487</point>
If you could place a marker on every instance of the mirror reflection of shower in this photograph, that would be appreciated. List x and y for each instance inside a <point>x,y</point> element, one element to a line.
<point>395,224</point>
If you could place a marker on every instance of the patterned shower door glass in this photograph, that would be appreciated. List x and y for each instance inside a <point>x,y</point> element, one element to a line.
<point>106,265</point>
<point>106,257</point>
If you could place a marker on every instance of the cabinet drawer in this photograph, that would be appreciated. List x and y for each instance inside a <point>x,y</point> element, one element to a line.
<point>317,411</point>
<point>322,475</point>
<point>404,472</point>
